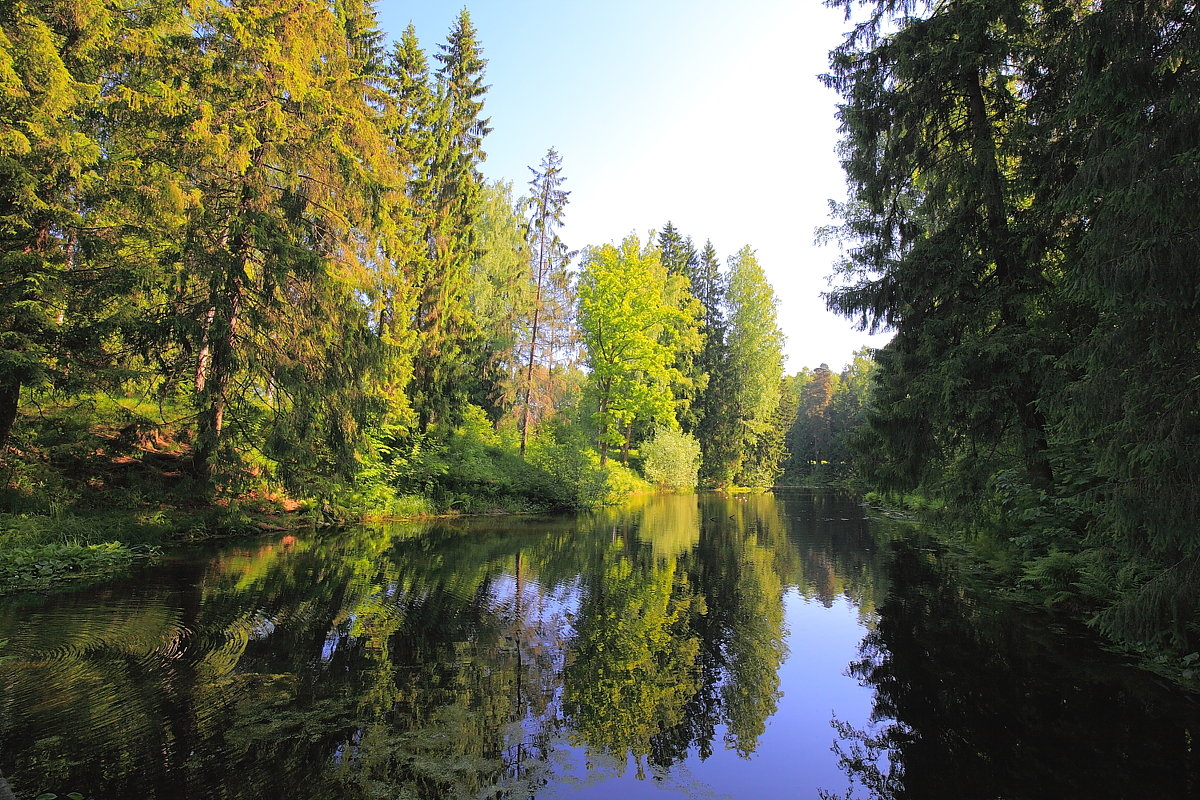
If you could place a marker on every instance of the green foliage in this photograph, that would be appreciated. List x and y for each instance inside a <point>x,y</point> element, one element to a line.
<point>1021,215</point>
<point>634,649</point>
<point>671,460</point>
<point>831,416</point>
<point>451,188</point>
<point>679,256</point>
<point>502,298</point>
<point>25,568</point>
<point>755,368</point>
<point>631,331</point>
<point>579,479</point>
<point>712,407</point>
<point>248,256</point>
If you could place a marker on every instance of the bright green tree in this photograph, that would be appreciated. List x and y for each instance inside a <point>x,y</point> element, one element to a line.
<point>671,460</point>
<point>755,356</point>
<point>631,332</point>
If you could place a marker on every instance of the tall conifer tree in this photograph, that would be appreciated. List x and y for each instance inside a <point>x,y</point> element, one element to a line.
<point>547,205</point>
<point>47,156</point>
<point>285,151</point>
<point>756,359</point>
<point>943,248</point>
<point>716,417</point>
<point>678,255</point>
<point>447,327</point>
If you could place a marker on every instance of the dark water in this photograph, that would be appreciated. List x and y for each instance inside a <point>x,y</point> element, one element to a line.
<point>774,646</point>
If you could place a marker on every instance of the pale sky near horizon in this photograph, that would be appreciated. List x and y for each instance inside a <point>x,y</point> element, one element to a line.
<point>705,113</point>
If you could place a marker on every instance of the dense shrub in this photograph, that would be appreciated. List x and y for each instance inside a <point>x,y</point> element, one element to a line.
<point>672,460</point>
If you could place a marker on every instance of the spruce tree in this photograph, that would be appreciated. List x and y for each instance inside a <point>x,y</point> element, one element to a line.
<point>47,157</point>
<point>943,247</point>
<point>715,414</point>
<point>288,147</point>
<point>1121,120</point>
<point>678,255</point>
<point>447,328</point>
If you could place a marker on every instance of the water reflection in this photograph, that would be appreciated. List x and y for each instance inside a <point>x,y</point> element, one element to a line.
<point>628,652</point>
<point>971,701</point>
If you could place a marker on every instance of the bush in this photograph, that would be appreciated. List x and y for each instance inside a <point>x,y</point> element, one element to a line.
<point>672,460</point>
<point>572,468</point>
<point>574,476</point>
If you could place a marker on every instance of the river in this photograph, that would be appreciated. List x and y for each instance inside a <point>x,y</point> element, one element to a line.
<point>762,646</point>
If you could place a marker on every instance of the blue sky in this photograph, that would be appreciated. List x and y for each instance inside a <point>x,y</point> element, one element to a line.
<point>706,113</point>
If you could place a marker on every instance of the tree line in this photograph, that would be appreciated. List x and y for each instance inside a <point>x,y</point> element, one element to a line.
<point>1022,213</point>
<point>266,231</point>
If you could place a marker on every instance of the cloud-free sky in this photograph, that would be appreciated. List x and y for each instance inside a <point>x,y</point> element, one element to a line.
<point>705,113</point>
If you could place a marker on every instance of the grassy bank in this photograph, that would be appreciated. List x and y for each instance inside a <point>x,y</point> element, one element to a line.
<point>39,551</point>
<point>88,489</point>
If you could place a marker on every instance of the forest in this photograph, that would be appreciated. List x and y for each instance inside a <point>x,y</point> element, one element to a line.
<point>249,263</point>
<point>1023,187</point>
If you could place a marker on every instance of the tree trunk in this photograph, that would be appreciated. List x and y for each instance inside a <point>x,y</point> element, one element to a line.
<point>1024,394</point>
<point>602,407</point>
<point>204,359</point>
<point>529,374</point>
<point>10,396</point>
<point>216,386</point>
<point>540,275</point>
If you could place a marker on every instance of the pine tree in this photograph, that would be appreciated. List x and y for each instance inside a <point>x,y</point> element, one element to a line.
<point>547,204</point>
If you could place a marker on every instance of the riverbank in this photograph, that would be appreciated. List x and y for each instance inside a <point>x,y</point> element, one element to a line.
<point>89,488</point>
<point>39,551</point>
<point>989,551</point>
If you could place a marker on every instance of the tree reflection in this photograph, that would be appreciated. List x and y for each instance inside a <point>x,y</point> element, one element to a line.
<point>974,701</point>
<point>451,660</point>
<point>633,655</point>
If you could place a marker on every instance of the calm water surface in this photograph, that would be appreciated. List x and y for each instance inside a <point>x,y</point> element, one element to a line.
<point>702,647</point>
